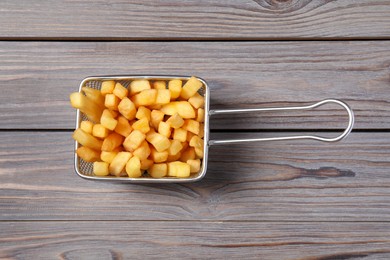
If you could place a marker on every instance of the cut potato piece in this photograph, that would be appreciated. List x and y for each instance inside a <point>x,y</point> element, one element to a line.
<point>196,142</point>
<point>141,125</point>
<point>194,165</point>
<point>175,147</point>
<point>88,154</point>
<point>112,141</point>
<point>94,95</point>
<point>134,140</point>
<point>197,101</point>
<point>179,169</point>
<point>150,133</point>
<point>143,151</point>
<point>107,156</point>
<point>183,108</point>
<point>111,102</point>
<point>169,109</point>
<point>164,129</point>
<point>163,97</point>
<point>120,91</point>
<point>123,126</point>
<point>143,112</point>
<point>119,162</point>
<point>158,170</point>
<point>86,126</point>
<point>175,121</point>
<point>156,117</point>
<point>174,87</point>
<point>191,126</point>
<point>127,108</point>
<point>201,131</point>
<point>159,142</point>
<point>86,106</point>
<point>133,167</point>
<point>107,120</point>
<point>146,164</point>
<point>137,86</point>
<point>146,97</point>
<point>100,131</point>
<point>158,157</point>
<point>107,87</point>
<point>199,152</point>
<point>101,168</point>
<point>86,139</point>
<point>172,158</point>
<point>200,115</point>
<point>180,134</point>
<point>188,154</point>
<point>190,88</point>
<point>159,84</point>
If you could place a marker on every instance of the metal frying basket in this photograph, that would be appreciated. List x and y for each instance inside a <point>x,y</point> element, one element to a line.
<point>84,169</point>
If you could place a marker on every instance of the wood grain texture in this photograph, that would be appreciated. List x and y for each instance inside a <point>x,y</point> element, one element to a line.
<point>36,79</point>
<point>195,240</point>
<point>281,181</point>
<point>209,19</point>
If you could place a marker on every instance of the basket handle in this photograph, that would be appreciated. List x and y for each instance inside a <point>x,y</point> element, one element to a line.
<point>347,130</point>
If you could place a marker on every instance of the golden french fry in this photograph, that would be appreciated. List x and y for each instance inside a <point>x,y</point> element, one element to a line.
<point>174,87</point>
<point>88,154</point>
<point>100,131</point>
<point>86,126</point>
<point>120,91</point>
<point>183,108</point>
<point>190,88</point>
<point>123,126</point>
<point>112,141</point>
<point>108,156</point>
<point>94,95</point>
<point>133,167</point>
<point>86,106</point>
<point>107,87</point>
<point>158,170</point>
<point>107,119</point>
<point>101,168</point>
<point>194,165</point>
<point>175,121</point>
<point>161,84</point>
<point>119,163</point>
<point>179,169</point>
<point>86,139</point>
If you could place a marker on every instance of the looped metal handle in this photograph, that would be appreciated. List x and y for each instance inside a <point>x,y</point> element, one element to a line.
<point>347,130</point>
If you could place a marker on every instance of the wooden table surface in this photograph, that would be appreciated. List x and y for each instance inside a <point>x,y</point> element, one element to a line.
<point>275,200</point>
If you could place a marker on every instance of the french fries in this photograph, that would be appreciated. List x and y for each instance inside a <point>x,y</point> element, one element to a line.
<point>92,110</point>
<point>88,154</point>
<point>94,95</point>
<point>150,129</point>
<point>112,141</point>
<point>87,140</point>
<point>101,168</point>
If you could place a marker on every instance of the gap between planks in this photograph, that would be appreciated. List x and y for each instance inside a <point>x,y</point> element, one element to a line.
<point>184,39</point>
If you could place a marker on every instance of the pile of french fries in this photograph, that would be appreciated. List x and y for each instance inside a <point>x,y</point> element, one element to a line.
<point>150,129</point>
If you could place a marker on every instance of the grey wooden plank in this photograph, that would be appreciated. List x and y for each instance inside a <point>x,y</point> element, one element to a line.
<point>36,79</point>
<point>281,181</point>
<point>174,19</point>
<point>195,240</point>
